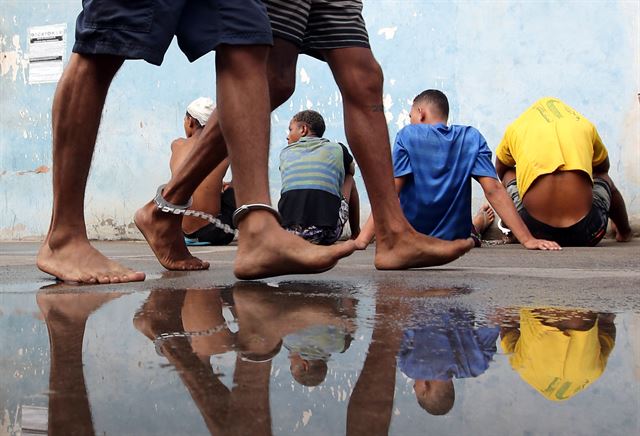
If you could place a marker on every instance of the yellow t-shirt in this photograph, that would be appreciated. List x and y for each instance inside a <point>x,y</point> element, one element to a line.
<point>550,136</point>
<point>558,364</point>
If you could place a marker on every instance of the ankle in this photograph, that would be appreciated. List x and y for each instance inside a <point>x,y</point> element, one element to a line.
<point>257,223</point>
<point>57,239</point>
<point>175,196</point>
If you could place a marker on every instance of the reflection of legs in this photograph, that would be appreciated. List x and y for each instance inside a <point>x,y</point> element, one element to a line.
<point>161,313</point>
<point>371,403</point>
<point>202,311</point>
<point>66,317</point>
<point>249,408</point>
<point>77,107</point>
<point>398,246</point>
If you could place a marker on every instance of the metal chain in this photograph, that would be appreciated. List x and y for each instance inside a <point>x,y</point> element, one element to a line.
<point>167,207</point>
<point>162,337</point>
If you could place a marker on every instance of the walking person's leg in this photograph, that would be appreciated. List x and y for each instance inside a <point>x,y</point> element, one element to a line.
<point>264,247</point>
<point>398,245</point>
<point>77,108</point>
<point>106,33</point>
<point>162,229</point>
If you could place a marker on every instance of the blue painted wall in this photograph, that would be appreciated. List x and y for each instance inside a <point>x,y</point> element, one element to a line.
<point>492,58</point>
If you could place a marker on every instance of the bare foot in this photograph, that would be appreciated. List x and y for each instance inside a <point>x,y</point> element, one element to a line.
<point>411,249</point>
<point>483,218</point>
<point>163,232</point>
<point>265,250</point>
<point>75,260</point>
<point>72,307</point>
<point>362,241</point>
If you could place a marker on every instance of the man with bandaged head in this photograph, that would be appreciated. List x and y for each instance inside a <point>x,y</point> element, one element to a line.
<point>212,196</point>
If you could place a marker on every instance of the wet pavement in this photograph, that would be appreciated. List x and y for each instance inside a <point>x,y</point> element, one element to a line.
<point>502,341</point>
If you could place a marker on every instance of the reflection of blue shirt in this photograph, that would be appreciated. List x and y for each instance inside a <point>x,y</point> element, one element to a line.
<point>440,162</point>
<point>450,346</point>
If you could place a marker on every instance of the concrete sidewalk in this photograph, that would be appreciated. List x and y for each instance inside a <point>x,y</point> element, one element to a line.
<point>607,276</point>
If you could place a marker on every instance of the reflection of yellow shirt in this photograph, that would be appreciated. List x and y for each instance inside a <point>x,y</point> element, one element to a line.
<point>557,364</point>
<point>550,136</point>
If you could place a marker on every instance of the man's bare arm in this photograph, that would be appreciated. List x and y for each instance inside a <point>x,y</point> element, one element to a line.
<point>501,202</point>
<point>502,168</point>
<point>618,209</point>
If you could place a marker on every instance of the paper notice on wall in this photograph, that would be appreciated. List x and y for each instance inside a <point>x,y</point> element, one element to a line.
<point>47,48</point>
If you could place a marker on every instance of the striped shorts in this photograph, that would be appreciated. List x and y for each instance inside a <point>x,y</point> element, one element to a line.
<point>315,25</point>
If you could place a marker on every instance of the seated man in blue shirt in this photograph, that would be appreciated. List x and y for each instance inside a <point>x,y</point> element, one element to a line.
<point>433,165</point>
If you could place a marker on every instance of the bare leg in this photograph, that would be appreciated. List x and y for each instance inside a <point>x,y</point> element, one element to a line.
<point>77,107</point>
<point>350,193</point>
<point>163,231</point>
<point>264,247</point>
<point>618,211</point>
<point>207,197</point>
<point>508,177</point>
<point>398,245</point>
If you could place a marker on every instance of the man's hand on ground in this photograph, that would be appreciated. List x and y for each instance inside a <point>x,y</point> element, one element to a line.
<point>541,244</point>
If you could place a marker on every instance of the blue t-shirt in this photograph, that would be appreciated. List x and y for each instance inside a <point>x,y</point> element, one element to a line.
<point>440,162</point>
<point>451,345</point>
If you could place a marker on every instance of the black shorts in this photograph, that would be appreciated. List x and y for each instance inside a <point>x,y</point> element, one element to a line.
<point>315,25</point>
<point>211,234</point>
<point>143,29</point>
<point>585,233</point>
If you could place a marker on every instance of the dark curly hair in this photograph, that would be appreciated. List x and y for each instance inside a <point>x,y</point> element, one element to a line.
<point>313,120</point>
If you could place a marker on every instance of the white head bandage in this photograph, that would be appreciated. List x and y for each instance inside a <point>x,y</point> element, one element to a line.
<point>201,109</point>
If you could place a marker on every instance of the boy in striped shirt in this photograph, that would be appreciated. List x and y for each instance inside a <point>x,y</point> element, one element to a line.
<point>317,182</point>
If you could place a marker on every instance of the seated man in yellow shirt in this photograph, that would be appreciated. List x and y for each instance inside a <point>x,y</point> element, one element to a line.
<point>555,167</point>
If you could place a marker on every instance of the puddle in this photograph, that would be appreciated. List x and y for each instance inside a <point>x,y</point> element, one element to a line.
<point>313,358</point>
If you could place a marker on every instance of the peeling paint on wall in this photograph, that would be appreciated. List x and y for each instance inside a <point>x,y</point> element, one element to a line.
<point>12,59</point>
<point>388,32</point>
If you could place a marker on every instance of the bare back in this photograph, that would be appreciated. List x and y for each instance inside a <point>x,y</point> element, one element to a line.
<point>206,197</point>
<point>560,199</point>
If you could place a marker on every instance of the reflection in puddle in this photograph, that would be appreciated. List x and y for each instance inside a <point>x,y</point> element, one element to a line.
<point>559,352</point>
<point>315,358</point>
<point>449,344</point>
